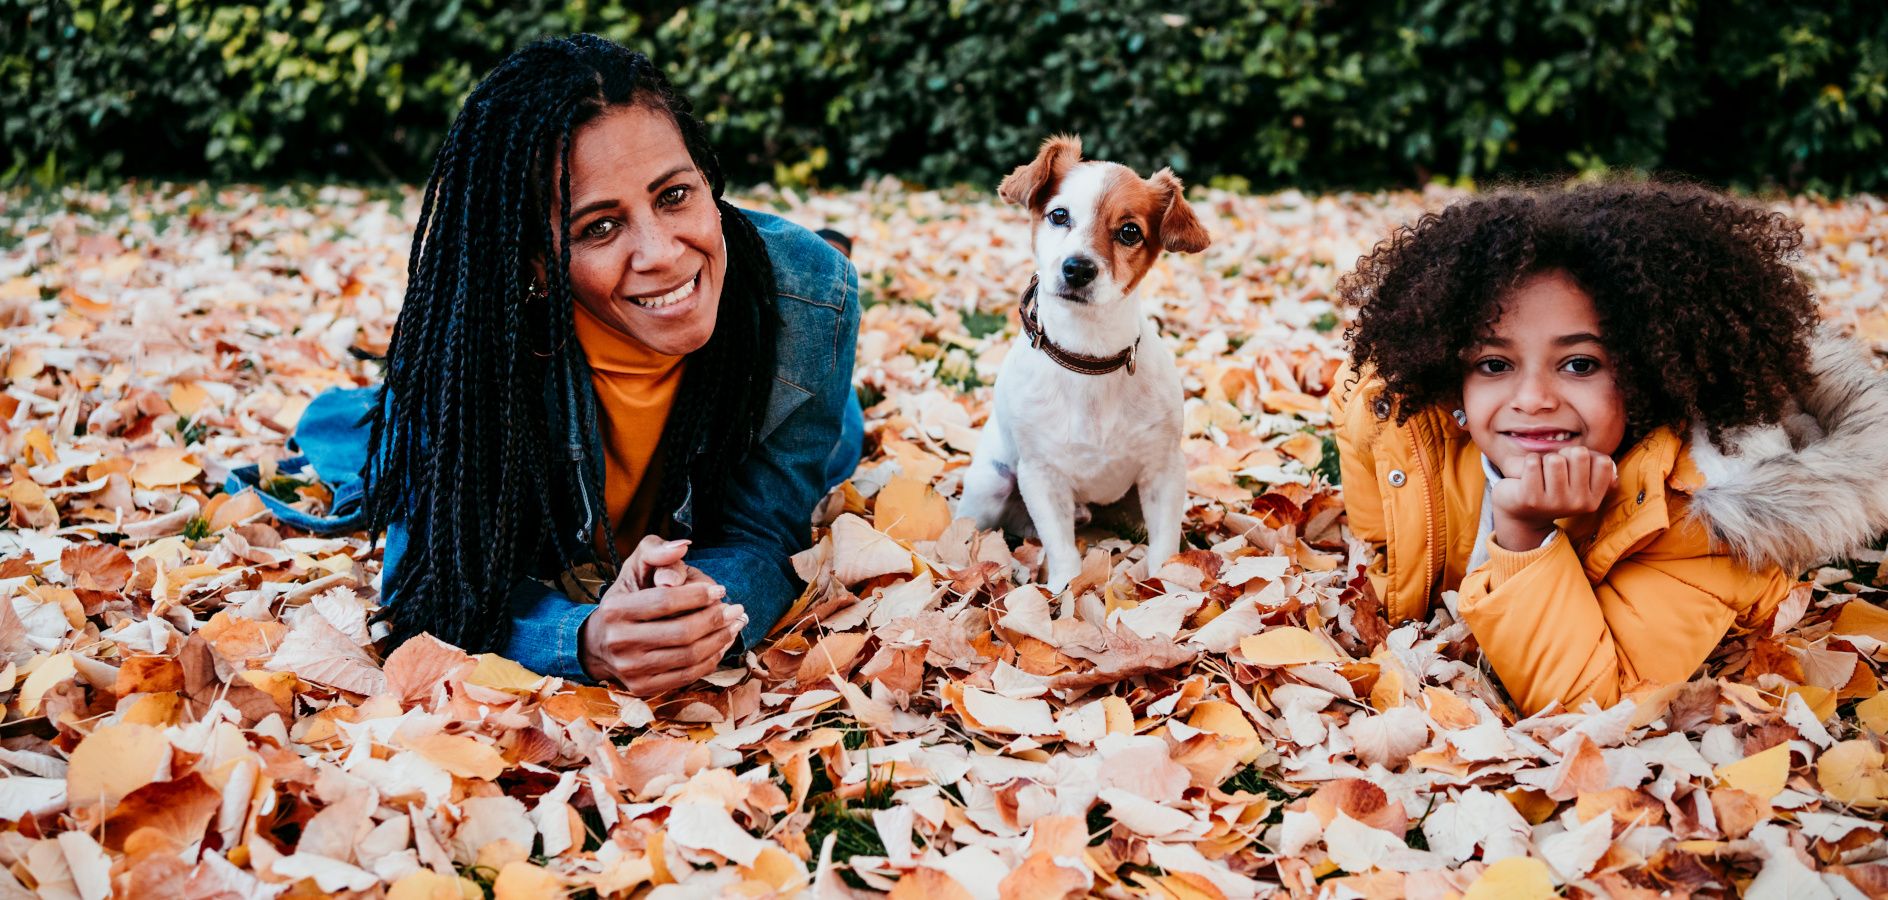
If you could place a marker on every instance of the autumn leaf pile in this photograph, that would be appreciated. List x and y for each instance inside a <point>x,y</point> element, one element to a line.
<point>196,704</point>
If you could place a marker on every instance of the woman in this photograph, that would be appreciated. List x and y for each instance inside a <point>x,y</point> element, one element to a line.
<point>601,365</point>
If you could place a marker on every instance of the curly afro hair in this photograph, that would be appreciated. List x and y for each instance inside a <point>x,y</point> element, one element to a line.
<point>1705,316</point>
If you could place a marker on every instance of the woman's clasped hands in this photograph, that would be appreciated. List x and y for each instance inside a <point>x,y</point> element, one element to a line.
<point>661,625</point>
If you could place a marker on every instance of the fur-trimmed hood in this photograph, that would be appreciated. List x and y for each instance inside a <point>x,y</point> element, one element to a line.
<point>1813,488</point>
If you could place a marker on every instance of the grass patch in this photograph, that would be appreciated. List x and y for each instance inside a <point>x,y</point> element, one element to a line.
<point>982,324</point>
<point>190,432</point>
<point>849,826</point>
<point>283,487</point>
<point>1330,466</point>
<point>196,529</point>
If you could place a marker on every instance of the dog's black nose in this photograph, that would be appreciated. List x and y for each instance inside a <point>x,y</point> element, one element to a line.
<point>1078,271</point>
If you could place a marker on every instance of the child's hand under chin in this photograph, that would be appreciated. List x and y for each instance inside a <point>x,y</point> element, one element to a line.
<point>1550,486</point>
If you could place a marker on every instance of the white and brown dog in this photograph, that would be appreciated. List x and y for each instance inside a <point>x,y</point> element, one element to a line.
<point>1088,403</point>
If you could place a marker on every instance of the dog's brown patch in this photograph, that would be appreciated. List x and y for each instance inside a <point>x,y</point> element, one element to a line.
<point>1032,184</point>
<point>1180,229</point>
<point>1127,199</point>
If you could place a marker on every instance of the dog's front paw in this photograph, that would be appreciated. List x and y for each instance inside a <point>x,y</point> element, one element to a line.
<point>1060,576</point>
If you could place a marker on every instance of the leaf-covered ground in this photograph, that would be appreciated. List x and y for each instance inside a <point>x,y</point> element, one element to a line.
<point>195,706</point>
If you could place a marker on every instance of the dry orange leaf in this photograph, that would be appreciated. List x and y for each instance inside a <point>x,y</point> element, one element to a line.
<point>1863,618</point>
<point>236,509</point>
<point>176,812</point>
<point>909,510</point>
<point>835,653</point>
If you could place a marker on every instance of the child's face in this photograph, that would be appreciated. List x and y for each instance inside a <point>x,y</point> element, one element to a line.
<point>1541,381</point>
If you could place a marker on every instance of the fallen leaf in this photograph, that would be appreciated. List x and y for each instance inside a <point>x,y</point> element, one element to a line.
<point>1286,646</point>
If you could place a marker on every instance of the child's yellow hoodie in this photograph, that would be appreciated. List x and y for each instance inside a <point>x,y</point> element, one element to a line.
<point>1690,544</point>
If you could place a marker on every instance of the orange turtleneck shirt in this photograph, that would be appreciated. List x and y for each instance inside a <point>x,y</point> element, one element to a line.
<point>635,388</point>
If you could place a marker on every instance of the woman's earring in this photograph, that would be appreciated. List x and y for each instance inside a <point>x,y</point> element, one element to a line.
<point>536,290</point>
<point>1461,418</point>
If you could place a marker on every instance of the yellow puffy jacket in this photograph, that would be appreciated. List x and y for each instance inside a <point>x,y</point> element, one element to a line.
<point>1690,544</point>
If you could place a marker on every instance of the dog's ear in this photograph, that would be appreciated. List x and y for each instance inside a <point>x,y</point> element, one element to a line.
<point>1180,229</point>
<point>1030,185</point>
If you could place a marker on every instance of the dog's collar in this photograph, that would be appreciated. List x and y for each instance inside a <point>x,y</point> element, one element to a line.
<point>1075,362</point>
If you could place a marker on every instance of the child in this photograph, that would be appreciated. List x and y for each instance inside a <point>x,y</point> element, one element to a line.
<point>1604,415</point>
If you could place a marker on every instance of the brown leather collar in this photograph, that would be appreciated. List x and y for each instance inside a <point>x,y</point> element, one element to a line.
<point>1074,362</point>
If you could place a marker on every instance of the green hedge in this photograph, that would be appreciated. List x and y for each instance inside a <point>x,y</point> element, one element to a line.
<point>1317,93</point>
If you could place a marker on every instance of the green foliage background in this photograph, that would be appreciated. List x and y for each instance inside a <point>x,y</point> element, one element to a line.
<point>1317,93</point>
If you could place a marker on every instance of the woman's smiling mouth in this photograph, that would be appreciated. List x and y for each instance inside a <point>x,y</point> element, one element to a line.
<point>670,298</point>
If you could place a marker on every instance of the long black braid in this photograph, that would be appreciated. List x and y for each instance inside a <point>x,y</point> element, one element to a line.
<point>482,440</point>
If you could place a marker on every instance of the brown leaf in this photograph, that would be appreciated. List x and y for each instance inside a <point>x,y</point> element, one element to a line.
<point>97,567</point>
<point>1122,655</point>
<point>176,811</point>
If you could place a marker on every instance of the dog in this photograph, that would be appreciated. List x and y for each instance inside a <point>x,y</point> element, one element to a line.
<point>1089,401</point>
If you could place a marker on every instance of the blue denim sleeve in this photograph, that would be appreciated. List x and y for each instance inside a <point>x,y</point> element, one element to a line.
<point>768,505</point>
<point>544,622</point>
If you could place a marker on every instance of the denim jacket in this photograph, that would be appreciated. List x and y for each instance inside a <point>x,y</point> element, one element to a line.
<point>810,439</point>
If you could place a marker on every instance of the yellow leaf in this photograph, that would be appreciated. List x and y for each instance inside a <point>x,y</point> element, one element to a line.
<point>1120,715</point>
<point>909,510</point>
<point>1873,713</point>
<point>1286,646</point>
<point>524,881</point>
<point>1864,619</point>
<point>501,674</point>
<point>114,761</point>
<point>426,884</point>
<point>1760,775</point>
<point>51,672</point>
<point>778,869</point>
<point>1514,878</point>
<point>41,444</point>
<point>164,466</point>
<point>1851,772</point>
<point>280,686</point>
<point>187,397</point>
<point>1821,701</point>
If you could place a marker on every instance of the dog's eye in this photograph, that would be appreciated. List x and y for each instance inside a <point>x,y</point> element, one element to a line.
<point>1058,217</point>
<point>1129,234</point>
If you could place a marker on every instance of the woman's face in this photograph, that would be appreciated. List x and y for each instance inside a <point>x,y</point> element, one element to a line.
<point>646,253</point>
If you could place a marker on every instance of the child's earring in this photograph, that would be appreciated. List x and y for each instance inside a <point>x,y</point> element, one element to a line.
<point>1461,418</point>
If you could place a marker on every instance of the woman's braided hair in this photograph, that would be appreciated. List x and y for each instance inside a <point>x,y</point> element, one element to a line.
<point>483,439</point>
<point>1699,302</point>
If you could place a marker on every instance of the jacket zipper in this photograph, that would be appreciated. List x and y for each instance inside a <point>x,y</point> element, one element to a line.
<point>1430,556</point>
